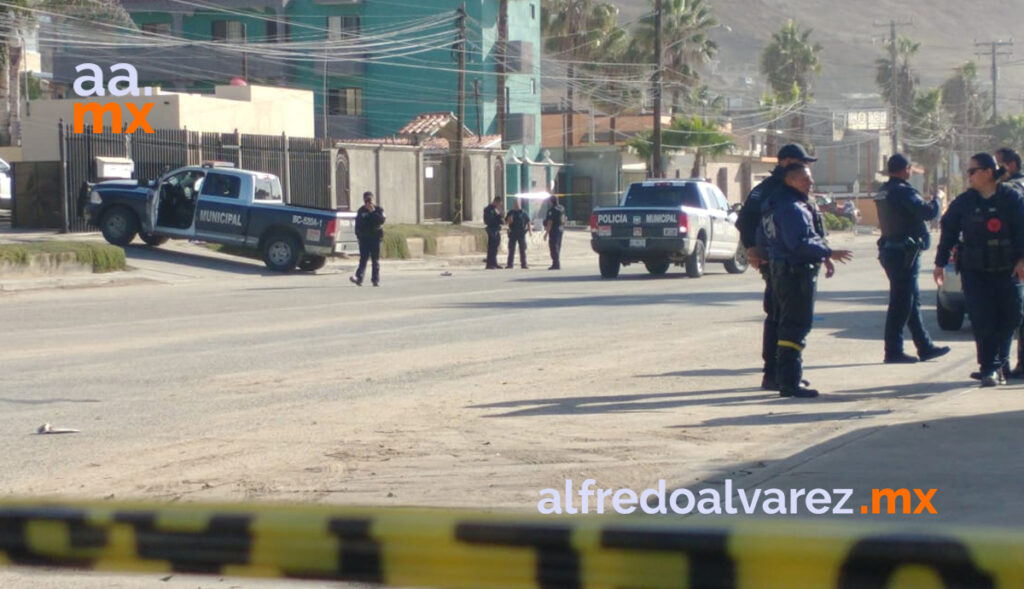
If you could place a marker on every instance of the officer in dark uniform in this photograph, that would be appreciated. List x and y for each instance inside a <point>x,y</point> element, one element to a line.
<point>1010,159</point>
<point>902,214</point>
<point>796,250</point>
<point>988,222</point>
<point>369,219</point>
<point>554,223</point>
<point>518,222</point>
<point>493,221</point>
<point>748,222</point>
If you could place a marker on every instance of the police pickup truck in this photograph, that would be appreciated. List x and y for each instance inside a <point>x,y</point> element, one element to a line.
<point>665,222</point>
<point>220,205</point>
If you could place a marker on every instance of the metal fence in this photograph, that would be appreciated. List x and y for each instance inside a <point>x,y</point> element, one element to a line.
<point>302,164</point>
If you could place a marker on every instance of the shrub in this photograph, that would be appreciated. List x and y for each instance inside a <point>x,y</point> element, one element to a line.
<point>102,257</point>
<point>837,223</point>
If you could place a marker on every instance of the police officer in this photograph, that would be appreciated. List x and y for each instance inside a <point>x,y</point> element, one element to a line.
<point>796,250</point>
<point>369,219</point>
<point>493,221</point>
<point>518,226</point>
<point>554,223</point>
<point>988,222</point>
<point>1010,159</point>
<point>748,221</point>
<point>902,214</point>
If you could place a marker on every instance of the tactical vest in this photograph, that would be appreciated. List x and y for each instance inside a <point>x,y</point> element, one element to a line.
<point>889,218</point>
<point>986,245</point>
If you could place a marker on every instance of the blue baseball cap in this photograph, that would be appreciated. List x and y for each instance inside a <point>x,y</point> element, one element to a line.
<point>795,151</point>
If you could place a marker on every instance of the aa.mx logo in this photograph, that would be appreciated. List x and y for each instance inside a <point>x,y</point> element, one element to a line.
<point>127,84</point>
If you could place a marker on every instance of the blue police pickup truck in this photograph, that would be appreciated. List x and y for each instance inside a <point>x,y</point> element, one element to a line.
<point>219,205</point>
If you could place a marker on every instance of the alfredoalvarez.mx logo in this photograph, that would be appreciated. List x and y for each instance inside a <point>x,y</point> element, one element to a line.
<point>124,85</point>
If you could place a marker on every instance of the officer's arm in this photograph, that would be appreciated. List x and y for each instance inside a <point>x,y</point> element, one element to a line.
<point>380,215</point>
<point>921,209</point>
<point>1018,225</point>
<point>949,227</point>
<point>799,236</point>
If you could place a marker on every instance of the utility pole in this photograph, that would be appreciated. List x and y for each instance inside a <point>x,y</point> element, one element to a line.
<point>459,184</point>
<point>479,114</point>
<point>656,157</point>
<point>502,66</point>
<point>994,51</point>
<point>894,79</point>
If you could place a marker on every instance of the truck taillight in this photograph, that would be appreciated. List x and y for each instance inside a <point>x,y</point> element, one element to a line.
<point>332,228</point>
<point>593,222</point>
<point>684,224</point>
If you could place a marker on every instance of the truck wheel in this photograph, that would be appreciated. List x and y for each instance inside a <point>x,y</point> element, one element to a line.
<point>281,252</point>
<point>657,267</point>
<point>312,263</point>
<point>738,264</point>
<point>609,266</point>
<point>948,319</point>
<point>119,226</point>
<point>695,261</point>
<point>152,240</point>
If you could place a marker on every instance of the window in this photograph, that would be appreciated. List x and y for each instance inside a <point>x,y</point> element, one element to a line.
<point>341,27</point>
<point>533,86</point>
<point>533,12</point>
<point>345,101</point>
<point>272,31</point>
<point>664,196</point>
<point>268,188</point>
<point>232,31</point>
<point>159,28</point>
<point>222,185</point>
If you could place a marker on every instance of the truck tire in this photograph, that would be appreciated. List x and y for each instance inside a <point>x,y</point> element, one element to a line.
<point>119,225</point>
<point>738,264</point>
<point>312,263</point>
<point>657,267</point>
<point>695,261</point>
<point>609,266</point>
<point>948,319</point>
<point>281,252</point>
<point>152,240</point>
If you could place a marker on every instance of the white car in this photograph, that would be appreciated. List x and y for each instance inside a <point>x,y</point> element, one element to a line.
<point>5,185</point>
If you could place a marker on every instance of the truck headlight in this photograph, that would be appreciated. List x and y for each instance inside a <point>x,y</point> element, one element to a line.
<point>94,197</point>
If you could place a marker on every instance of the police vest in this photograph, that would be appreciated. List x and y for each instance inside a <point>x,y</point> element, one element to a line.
<point>987,245</point>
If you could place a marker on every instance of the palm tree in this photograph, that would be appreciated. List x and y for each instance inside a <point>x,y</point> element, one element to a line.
<point>685,26</point>
<point>968,105</point>
<point>790,60</point>
<point>686,132</point>
<point>1010,132</point>
<point>928,133</point>
<point>899,87</point>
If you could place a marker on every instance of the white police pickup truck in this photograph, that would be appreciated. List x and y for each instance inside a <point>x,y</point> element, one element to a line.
<point>219,205</point>
<point>665,222</point>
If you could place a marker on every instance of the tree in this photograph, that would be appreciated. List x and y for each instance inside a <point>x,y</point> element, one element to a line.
<point>686,132</point>
<point>1010,132</point>
<point>928,133</point>
<point>968,106</point>
<point>686,46</point>
<point>790,59</point>
<point>899,84</point>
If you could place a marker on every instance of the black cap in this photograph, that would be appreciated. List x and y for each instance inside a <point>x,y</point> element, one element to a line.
<point>897,163</point>
<point>795,151</point>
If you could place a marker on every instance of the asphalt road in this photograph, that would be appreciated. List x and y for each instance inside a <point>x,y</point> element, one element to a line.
<point>213,379</point>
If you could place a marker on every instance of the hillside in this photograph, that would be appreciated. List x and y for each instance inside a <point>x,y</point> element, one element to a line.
<point>947,32</point>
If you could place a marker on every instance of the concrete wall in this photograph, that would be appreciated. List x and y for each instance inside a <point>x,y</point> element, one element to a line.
<point>254,109</point>
<point>395,175</point>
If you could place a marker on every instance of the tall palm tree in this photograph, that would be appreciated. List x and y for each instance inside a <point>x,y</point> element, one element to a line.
<point>790,59</point>
<point>686,46</point>
<point>928,133</point>
<point>969,106</point>
<point>899,84</point>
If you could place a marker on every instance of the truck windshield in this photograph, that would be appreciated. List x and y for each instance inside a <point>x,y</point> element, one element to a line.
<point>268,188</point>
<point>663,196</point>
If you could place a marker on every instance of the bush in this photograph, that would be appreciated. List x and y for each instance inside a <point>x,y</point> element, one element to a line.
<point>837,223</point>
<point>101,256</point>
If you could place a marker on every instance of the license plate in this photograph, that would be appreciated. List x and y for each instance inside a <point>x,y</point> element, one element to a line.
<point>637,243</point>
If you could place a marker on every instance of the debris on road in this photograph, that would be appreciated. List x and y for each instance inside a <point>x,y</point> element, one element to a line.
<point>49,429</point>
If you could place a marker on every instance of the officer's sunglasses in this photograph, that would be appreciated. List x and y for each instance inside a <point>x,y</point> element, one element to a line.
<point>971,171</point>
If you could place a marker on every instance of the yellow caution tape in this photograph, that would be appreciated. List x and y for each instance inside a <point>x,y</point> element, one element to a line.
<point>448,548</point>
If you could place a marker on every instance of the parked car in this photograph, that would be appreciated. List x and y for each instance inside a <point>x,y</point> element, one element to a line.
<point>665,222</point>
<point>949,299</point>
<point>219,205</point>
